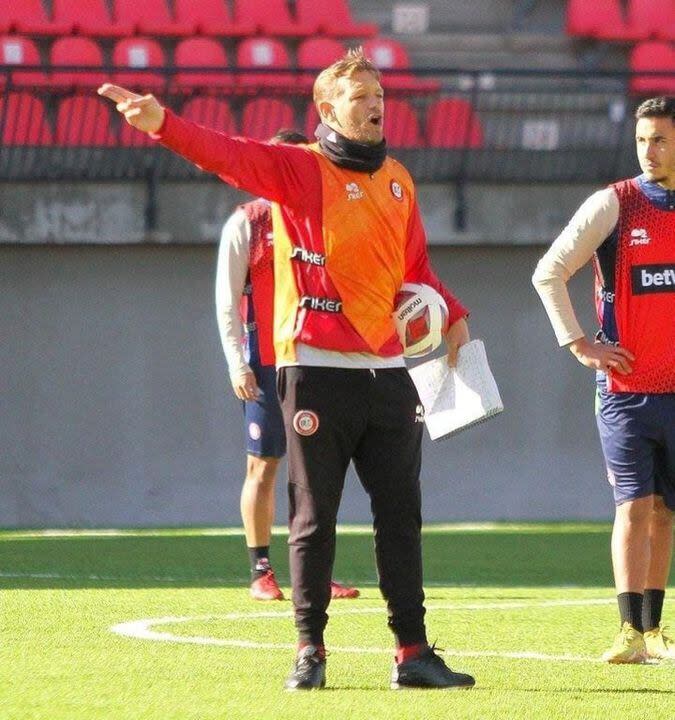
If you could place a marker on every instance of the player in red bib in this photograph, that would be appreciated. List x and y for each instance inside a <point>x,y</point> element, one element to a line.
<point>628,230</point>
<point>245,309</point>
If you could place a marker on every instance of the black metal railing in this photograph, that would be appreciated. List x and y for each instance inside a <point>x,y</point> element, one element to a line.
<point>446,126</point>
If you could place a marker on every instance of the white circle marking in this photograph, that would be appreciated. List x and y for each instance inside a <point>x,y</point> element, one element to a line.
<point>143,630</point>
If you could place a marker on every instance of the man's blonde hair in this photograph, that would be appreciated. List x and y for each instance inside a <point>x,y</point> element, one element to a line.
<point>353,61</point>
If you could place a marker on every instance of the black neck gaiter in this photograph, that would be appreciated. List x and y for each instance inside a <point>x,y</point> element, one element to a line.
<point>349,154</point>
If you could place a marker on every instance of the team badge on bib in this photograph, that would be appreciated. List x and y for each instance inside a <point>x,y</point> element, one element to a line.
<point>396,190</point>
<point>305,422</point>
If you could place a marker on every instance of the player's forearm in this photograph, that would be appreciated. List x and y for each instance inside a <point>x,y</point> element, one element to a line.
<point>231,338</point>
<point>551,287</point>
<point>231,274</point>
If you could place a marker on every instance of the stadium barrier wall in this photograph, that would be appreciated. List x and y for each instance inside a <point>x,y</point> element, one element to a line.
<point>117,409</point>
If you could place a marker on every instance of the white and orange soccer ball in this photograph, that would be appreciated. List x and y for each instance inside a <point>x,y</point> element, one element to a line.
<point>419,316</point>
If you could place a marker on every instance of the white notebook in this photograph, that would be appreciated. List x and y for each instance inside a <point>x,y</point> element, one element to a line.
<point>457,398</point>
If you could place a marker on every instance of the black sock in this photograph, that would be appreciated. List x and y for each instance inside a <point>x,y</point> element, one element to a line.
<point>630,609</point>
<point>259,558</point>
<point>652,608</point>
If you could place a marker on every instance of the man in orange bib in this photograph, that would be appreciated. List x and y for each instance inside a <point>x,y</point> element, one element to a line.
<point>347,234</point>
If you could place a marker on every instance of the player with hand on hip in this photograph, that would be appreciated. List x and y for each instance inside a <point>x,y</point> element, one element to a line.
<point>628,229</point>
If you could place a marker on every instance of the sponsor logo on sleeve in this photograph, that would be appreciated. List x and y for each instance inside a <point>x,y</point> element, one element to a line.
<point>606,295</point>
<point>653,279</point>
<point>305,422</point>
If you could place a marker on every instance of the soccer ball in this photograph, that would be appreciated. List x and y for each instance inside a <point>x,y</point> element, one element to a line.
<point>419,318</point>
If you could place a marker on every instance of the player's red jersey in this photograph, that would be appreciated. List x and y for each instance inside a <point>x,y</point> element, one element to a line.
<point>261,277</point>
<point>645,292</point>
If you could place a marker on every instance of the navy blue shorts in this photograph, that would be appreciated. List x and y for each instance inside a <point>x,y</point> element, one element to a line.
<point>637,433</point>
<point>265,436</point>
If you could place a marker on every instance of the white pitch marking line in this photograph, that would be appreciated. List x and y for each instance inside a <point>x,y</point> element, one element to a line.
<point>143,630</point>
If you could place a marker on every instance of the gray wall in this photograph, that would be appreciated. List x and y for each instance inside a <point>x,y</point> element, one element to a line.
<point>116,408</point>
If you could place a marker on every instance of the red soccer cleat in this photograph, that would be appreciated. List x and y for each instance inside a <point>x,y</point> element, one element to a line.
<point>342,592</point>
<point>266,587</point>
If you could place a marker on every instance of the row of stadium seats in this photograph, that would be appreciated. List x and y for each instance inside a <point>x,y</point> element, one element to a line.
<point>260,53</point>
<point>89,121</point>
<point>605,19</point>
<point>121,18</point>
<point>201,52</point>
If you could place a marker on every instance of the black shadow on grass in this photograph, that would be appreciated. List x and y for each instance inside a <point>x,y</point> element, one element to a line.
<point>485,558</point>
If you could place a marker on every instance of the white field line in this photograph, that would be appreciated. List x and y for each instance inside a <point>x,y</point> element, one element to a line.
<point>144,630</point>
<point>365,529</point>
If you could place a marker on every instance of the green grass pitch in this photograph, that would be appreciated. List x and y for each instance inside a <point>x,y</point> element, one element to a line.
<point>157,625</point>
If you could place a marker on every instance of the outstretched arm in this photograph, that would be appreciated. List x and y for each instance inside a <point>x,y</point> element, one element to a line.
<point>286,174</point>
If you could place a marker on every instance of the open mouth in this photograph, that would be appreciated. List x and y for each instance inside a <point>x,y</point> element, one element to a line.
<point>376,120</point>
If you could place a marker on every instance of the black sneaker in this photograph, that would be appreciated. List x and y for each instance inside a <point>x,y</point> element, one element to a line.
<point>309,672</point>
<point>428,670</point>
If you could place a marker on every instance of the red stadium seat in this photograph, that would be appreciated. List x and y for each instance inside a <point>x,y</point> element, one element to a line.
<point>652,18</point>
<point>201,52</point>
<point>263,117</point>
<point>401,127</point>
<point>23,120</point>
<point>76,51</point>
<point>601,19</point>
<point>83,120</point>
<point>149,17</point>
<point>261,52</point>
<point>652,55</point>
<point>29,17</point>
<point>332,17</point>
<point>270,17</point>
<point>136,54</point>
<point>311,121</point>
<point>210,17</point>
<point>388,55</point>
<point>315,54</point>
<point>17,51</point>
<point>452,123</point>
<point>89,17</point>
<point>211,112</point>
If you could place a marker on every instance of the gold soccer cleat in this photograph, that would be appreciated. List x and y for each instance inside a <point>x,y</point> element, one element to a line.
<point>628,647</point>
<point>660,644</point>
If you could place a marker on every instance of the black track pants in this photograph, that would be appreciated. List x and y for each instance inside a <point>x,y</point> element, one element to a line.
<point>332,416</point>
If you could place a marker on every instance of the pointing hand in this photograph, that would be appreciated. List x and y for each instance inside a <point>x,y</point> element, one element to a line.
<point>141,111</point>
